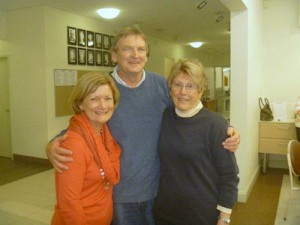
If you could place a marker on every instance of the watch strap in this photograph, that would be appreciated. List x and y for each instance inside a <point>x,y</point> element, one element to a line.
<point>225,220</point>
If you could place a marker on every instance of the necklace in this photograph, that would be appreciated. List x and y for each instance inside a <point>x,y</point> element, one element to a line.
<point>97,159</point>
<point>102,170</point>
<point>103,177</point>
<point>98,131</point>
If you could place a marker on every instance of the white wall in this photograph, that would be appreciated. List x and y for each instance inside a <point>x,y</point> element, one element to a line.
<point>3,25</point>
<point>159,50</point>
<point>281,35</point>
<point>281,56</point>
<point>246,76</point>
<point>264,63</point>
<point>27,81</point>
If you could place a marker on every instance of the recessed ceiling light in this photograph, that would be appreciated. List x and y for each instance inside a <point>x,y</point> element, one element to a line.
<point>221,17</point>
<point>202,4</point>
<point>108,13</point>
<point>196,44</point>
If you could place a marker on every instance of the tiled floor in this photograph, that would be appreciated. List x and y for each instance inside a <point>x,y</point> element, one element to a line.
<point>28,201</point>
<point>31,200</point>
<point>11,170</point>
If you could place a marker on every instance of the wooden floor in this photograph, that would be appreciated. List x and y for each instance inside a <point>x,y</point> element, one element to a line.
<point>13,170</point>
<point>260,209</point>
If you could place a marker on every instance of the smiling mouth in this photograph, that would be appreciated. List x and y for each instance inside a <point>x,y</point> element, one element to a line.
<point>134,62</point>
<point>183,99</point>
<point>102,112</point>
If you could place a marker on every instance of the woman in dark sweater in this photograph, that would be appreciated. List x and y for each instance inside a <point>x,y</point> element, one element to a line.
<point>198,184</point>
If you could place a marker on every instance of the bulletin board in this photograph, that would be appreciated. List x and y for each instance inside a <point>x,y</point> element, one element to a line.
<point>64,82</point>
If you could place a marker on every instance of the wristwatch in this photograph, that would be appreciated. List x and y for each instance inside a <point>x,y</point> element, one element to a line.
<point>225,220</point>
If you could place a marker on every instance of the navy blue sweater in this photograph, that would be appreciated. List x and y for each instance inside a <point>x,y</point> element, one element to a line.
<point>197,173</point>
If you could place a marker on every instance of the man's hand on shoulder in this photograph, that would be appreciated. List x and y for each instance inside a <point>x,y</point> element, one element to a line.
<point>233,141</point>
<point>57,155</point>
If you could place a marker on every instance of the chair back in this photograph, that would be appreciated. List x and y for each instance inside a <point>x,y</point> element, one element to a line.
<point>294,153</point>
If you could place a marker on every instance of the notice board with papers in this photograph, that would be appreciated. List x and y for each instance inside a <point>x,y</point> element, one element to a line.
<point>64,82</point>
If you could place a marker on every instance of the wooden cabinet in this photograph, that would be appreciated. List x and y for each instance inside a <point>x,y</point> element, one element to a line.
<point>274,137</point>
<point>210,104</point>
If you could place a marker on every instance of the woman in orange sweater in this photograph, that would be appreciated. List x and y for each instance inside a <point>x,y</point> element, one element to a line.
<point>84,192</point>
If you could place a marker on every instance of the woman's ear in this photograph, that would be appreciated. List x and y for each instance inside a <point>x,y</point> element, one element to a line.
<point>80,106</point>
<point>114,56</point>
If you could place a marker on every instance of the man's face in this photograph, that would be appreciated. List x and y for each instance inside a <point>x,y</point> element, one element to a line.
<point>72,34</point>
<point>131,55</point>
<point>72,54</point>
<point>98,38</point>
<point>81,55</point>
<point>81,35</point>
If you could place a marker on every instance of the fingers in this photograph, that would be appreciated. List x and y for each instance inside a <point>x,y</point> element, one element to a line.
<point>230,131</point>
<point>63,155</point>
<point>58,161</point>
<point>232,143</point>
<point>58,156</point>
<point>61,138</point>
<point>56,168</point>
<point>59,167</point>
<point>64,151</point>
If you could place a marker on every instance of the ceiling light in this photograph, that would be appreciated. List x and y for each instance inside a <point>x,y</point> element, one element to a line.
<point>221,17</point>
<point>108,13</point>
<point>196,44</point>
<point>201,5</point>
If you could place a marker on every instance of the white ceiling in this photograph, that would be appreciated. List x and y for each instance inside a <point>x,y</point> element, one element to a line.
<point>178,21</point>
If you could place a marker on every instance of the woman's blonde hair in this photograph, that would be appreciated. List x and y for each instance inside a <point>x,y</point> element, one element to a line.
<point>88,84</point>
<point>191,67</point>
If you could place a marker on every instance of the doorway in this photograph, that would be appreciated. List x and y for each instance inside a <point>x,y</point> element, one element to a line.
<point>5,128</point>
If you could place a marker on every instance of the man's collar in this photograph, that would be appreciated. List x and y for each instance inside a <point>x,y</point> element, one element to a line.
<point>116,76</point>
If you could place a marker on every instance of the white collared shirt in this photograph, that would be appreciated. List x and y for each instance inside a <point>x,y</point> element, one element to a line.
<point>120,81</point>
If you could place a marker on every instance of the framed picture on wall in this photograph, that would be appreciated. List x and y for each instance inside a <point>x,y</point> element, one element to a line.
<point>90,57</point>
<point>71,34</point>
<point>72,55</point>
<point>105,42</point>
<point>98,40</point>
<point>81,56</point>
<point>98,58</point>
<point>81,36</point>
<point>106,59</point>
<point>90,39</point>
<point>111,41</point>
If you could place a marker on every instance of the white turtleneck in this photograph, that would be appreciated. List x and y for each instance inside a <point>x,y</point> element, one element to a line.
<point>191,112</point>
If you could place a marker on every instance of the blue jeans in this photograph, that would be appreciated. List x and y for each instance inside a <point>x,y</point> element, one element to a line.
<point>135,213</point>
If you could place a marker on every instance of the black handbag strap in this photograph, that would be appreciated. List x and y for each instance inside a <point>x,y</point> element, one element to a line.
<point>261,103</point>
<point>267,101</point>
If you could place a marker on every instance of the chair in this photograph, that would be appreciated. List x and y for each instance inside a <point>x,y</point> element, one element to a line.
<point>293,158</point>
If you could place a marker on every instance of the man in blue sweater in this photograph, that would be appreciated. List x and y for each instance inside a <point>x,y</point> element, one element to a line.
<point>135,125</point>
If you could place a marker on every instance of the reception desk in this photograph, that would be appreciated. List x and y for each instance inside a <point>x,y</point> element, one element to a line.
<point>274,137</point>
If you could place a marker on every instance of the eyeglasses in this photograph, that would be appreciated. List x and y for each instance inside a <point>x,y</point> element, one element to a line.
<point>189,87</point>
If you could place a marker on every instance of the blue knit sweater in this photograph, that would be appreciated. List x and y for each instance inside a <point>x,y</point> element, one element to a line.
<point>136,125</point>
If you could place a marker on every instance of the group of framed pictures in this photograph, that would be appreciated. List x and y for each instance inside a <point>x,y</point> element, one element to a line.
<point>88,47</point>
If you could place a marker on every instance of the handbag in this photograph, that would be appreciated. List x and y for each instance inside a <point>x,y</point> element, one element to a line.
<point>266,113</point>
